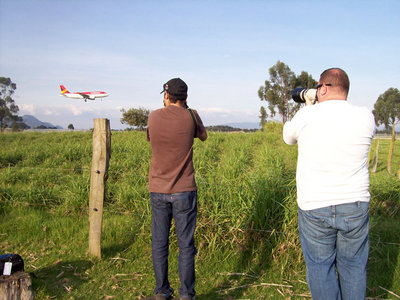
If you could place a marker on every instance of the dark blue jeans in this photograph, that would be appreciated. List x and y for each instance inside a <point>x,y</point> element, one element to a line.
<point>335,239</point>
<point>183,208</point>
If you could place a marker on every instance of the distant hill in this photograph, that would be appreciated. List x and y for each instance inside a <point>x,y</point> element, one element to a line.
<point>33,122</point>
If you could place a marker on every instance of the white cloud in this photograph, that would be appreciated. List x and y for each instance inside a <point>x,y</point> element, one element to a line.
<point>51,112</point>
<point>219,115</point>
<point>81,114</point>
<point>78,110</point>
<point>26,109</point>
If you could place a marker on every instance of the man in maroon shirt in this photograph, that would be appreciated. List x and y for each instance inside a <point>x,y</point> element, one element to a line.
<point>173,192</point>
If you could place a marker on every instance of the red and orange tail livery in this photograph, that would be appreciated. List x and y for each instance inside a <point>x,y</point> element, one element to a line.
<point>63,89</point>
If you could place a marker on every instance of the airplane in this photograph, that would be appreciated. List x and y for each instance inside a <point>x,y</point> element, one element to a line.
<point>82,95</point>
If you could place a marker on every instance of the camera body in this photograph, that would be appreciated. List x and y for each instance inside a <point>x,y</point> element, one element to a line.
<point>301,95</point>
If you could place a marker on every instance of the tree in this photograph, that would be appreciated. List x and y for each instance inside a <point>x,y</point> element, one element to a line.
<point>135,117</point>
<point>278,90</point>
<point>303,80</point>
<point>19,126</point>
<point>71,127</point>
<point>8,108</point>
<point>387,113</point>
<point>263,117</point>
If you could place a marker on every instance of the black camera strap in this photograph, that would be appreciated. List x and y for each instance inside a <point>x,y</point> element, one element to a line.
<point>194,120</point>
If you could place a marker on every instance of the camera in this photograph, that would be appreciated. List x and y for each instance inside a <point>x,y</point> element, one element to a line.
<point>300,95</point>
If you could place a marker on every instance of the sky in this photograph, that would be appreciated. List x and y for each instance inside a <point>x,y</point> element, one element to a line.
<point>222,49</point>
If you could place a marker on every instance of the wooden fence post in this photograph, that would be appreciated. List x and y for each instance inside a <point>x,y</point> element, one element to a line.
<point>98,178</point>
<point>375,161</point>
<point>16,286</point>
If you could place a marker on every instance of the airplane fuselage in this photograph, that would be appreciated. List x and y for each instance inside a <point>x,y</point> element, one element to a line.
<point>90,96</point>
<point>82,95</point>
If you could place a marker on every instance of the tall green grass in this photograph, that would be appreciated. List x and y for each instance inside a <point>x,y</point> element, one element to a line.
<point>246,229</point>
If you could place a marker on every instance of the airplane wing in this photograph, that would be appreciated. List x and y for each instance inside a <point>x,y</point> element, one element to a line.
<point>84,95</point>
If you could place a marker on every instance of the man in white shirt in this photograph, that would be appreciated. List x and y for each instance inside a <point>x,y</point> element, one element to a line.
<point>333,139</point>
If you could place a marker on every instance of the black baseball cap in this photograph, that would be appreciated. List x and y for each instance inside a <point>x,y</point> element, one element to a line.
<point>176,87</point>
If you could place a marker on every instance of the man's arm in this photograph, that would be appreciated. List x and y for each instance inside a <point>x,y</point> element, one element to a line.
<point>148,127</point>
<point>200,127</point>
<point>289,133</point>
<point>293,128</point>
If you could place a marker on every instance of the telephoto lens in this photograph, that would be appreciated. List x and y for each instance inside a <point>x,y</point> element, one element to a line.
<point>300,95</point>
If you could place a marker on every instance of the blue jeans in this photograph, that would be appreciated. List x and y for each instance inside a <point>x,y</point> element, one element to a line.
<point>183,208</point>
<point>335,239</point>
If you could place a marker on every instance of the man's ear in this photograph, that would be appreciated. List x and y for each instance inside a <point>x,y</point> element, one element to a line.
<point>166,99</point>
<point>323,90</point>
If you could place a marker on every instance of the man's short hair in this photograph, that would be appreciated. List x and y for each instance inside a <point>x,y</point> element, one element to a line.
<point>337,78</point>
<point>174,98</point>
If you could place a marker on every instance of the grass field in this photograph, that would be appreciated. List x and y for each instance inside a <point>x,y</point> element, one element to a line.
<point>246,235</point>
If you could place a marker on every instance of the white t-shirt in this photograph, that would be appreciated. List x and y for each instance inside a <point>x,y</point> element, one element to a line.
<point>334,139</point>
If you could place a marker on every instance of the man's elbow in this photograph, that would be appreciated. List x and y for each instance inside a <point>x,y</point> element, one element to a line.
<point>289,141</point>
<point>203,136</point>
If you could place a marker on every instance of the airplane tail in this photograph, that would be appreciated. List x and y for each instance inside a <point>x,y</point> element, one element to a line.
<point>63,89</point>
